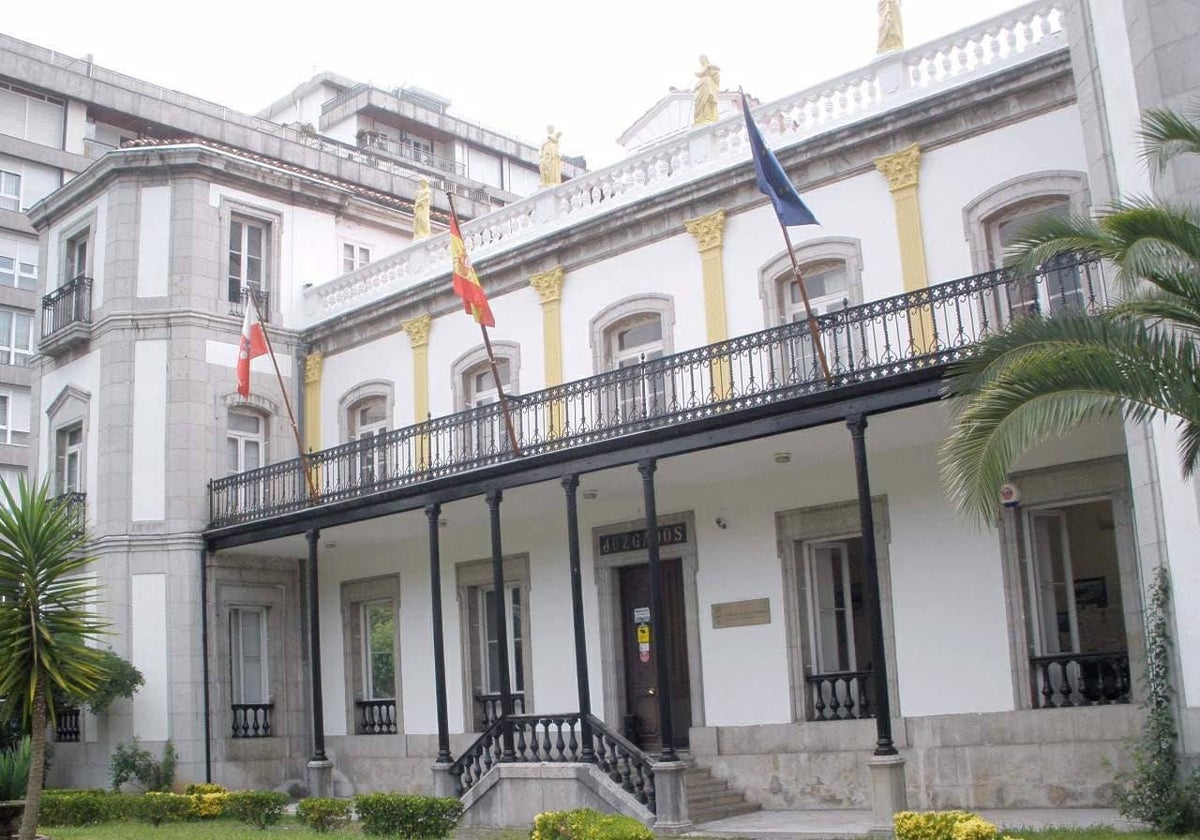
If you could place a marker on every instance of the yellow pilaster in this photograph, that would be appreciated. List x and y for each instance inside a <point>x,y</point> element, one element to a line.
<point>709,232</point>
<point>314,363</point>
<point>417,330</point>
<point>548,286</point>
<point>902,171</point>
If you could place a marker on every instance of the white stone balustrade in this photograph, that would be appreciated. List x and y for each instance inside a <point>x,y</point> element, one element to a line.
<point>889,82</point>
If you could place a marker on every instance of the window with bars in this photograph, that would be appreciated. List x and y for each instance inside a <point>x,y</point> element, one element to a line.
<point>16,337</point>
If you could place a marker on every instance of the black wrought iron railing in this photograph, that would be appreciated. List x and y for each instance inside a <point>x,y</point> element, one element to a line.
<point>490,708</point>
<point>409,151</point>
<point>239,299</point>
<point>66,725</point>
<point>918,330</point>
<point>76,504</point>
<point>252,720</point>
<point>375,717</point>
<point>70,303</point>
<point>840,695</point>
<point>1080,679</point>
<point>558,739</point>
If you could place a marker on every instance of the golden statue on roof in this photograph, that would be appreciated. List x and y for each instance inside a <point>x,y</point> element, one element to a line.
<point>550,158</point>
<point>708,85</point>
<point>421,206</point>
<point>891,30</point>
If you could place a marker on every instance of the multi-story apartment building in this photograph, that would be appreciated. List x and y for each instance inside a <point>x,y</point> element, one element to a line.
<point>699,546</point>
<point>59,114</point>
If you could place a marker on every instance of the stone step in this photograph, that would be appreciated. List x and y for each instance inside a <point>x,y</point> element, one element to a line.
<point>715,800</point>
<point>707,789</point>
<point>707,815</point>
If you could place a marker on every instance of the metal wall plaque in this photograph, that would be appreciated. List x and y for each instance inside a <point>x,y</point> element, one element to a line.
<point>636,540</point>
<point>741,613</point>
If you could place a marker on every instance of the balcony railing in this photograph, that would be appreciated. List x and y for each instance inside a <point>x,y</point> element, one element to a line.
<point>375,717</point>
<point>1080,679</point>
<point>239,299</point>
<point>252,720</point>
<point>923,329</point>
<point>76,504</point>
<point>398,148</point>
<point>489,707</point>
<point>840,695</point>
<point>70,303</point>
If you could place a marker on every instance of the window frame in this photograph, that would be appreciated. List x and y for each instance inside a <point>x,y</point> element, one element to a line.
<point>470,365</point>
<point>796,529</point>
<point>988,206</point>
<point>1059,486</point>
<point>356,259</point>
<point>245,437</point>
<point>5,175</point>
<point>237,686</point>
<point>9,352</point>
<point>63,452</point>
<point>471,577</point>
<point>355,596</point>
<point>81,238</point>
<point>272,221</point>
<point>776,273</point>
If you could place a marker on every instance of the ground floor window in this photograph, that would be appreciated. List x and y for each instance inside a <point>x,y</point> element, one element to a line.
<point>248,659</point>
<point>370,625</point>
<point>482,652</point>
<point>1075,612</point>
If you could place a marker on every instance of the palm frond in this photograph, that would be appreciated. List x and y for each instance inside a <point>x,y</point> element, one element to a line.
<point>1165,135</point>
<point>1044,377</point>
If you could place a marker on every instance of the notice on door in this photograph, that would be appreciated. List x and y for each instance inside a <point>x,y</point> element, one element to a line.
<point>741,613</point>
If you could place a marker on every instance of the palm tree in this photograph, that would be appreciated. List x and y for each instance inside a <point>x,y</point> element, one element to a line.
<point>1043,377</point>
<point>46,618</point>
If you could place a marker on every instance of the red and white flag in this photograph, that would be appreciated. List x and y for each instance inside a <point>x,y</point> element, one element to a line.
<point>254,343</point>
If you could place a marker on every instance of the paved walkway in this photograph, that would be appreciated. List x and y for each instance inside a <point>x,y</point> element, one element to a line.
<point>808,825</point>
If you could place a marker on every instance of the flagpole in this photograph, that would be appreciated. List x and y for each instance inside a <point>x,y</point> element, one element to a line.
<point>312,487</point>
<point>812,320</point>
<point>487,343</point>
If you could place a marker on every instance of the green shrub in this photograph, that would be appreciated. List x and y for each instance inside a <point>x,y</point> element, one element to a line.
<point>130,761</point>
<point>208,806</point>
<point>157,807</point>
<point>930,825</point>
<point>406,815</point>
<point>74,808</point>
<point>586,823</point>
<point>323,815</point>
<point>259,808</point>
<point>199,788</point>
<point>14,770</point>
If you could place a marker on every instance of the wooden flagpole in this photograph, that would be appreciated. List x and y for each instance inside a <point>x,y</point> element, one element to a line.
<point>812,320</point>
<point>487,343</point>
<point>312,486</point>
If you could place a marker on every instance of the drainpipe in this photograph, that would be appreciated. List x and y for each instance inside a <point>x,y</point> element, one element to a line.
<point>204,659</point>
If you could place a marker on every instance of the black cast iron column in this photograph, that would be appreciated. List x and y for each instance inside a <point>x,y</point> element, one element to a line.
<point>879,676</point>
<point>433,512</point>
<point>314,649</point>
<point>506,704</point>
<point>658,615</point>
<point>571,485</point>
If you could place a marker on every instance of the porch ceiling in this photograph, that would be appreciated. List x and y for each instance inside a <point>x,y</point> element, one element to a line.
<point>810,449</point>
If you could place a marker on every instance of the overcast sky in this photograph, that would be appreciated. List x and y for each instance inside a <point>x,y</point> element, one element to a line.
<point>591,68</point>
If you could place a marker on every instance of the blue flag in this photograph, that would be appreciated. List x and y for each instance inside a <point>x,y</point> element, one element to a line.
<point>773,181</point>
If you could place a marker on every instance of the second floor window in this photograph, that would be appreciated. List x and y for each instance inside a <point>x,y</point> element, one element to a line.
<point>10,191</point>
<point>828,287</point>
<point>244,442</point>
<point>69,444</point>
<point>16,337</point>
<point>17,274</point>
<point>631,341</point>
<point>368,422</point>
<point>77,256</point>
<point>354,257</point>
<point>7,433</point>
<point>247,256</point>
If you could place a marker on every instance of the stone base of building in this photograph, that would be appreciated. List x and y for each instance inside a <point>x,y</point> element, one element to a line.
<point>511,795</point>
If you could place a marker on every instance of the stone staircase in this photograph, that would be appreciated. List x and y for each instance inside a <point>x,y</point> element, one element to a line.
<point>709,798</point>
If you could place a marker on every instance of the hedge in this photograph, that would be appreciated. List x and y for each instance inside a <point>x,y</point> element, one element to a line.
<point>586,823</point>
<point>407,815</point>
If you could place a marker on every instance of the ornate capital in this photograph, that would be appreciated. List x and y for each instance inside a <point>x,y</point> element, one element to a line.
<point>548,284</point>
<point>902,169</point>
<point>417,330</point>
<point>313,363</point>
<point>709,230</point>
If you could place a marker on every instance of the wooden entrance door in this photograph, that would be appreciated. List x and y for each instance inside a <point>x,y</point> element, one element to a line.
<point>641,722</point>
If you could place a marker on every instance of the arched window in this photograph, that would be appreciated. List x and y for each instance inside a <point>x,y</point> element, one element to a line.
<point>628,336</point>
<point>368,421</point>
<point>997,218</point>
<point>245,441</point>
<point>832,272</point>
<point>475,388</point>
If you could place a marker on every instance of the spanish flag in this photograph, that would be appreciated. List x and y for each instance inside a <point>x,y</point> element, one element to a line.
<point>466,284</point>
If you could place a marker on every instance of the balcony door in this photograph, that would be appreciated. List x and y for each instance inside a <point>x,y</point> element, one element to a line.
<point>1059,287</point>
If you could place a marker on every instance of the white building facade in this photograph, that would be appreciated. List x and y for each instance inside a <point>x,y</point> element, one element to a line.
<point>692,538</point>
